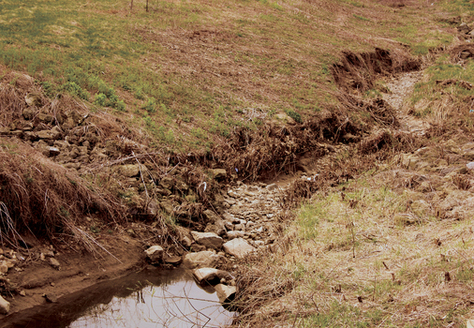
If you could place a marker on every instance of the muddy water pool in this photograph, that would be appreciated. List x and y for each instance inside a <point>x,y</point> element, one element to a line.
<point>150,299</point>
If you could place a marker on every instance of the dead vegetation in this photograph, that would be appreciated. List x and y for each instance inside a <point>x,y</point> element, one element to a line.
<point>44,198</point>
<point>275,149</point>
<point>372,253</point>
<point>358,72</point>
<point>389,247</point>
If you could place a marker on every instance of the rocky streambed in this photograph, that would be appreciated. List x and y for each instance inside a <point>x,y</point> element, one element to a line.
<point>248,224</point>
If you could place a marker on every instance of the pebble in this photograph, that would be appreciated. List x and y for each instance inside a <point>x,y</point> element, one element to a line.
<point>239,227</point>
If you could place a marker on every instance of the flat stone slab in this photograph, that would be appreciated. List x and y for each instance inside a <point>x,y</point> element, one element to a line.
<point>238,247</point>
<point>211,276</point>
<point>173,260</point>
<point>235,234</point>
<point>201,259</point>
<point>155,253</point>
<point>208,239</point>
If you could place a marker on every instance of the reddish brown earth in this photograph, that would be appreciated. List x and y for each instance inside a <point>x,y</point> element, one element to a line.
<point>78,271</point>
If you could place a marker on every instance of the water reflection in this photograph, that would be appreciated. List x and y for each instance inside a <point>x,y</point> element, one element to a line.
<point>181,304</point>
<point>145,300</point>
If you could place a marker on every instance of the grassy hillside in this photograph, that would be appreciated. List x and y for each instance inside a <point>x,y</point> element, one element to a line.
<point>190,72</point>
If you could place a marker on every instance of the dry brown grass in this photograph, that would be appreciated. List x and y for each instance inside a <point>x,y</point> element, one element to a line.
<point>358,71</point>
<point>377,251</point>
<point>44,198</point>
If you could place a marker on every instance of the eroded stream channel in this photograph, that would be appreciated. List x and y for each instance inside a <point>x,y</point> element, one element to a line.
<point>158,298</point>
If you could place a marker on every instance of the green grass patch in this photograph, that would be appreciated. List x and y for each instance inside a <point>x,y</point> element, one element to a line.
<point>201,60</point>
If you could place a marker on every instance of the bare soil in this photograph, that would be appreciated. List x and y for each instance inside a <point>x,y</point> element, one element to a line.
<point>34,279</point>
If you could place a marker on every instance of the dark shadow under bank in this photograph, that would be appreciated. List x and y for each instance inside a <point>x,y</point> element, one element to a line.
<point>74,306</point>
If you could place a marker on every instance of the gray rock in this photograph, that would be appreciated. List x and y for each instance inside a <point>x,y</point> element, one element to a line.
<point>211,276</point>
<point>238,247</point>
<point>218,174</point>
<point>3,267</point>
<point>28,113</point>
<point>186,241</point>
<point>53,134</point>
<point>272,186</point>
<point>53,151</point>
<point>130,170</point>
<point>235,234</point>
<point>33,99</point>
<point>155,253</point>
<point>239,227</point>
<point>54,263</point>
<point>228,217</point>
<point>51,298</point>
<point>217,227</point>
<point>198,247</point>
<point>208,239</point>
<point>201,259</point>
<point>4,306</point>
<point>225,293</point>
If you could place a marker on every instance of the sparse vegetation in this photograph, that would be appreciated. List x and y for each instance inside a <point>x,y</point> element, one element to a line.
<point>114,54</point>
